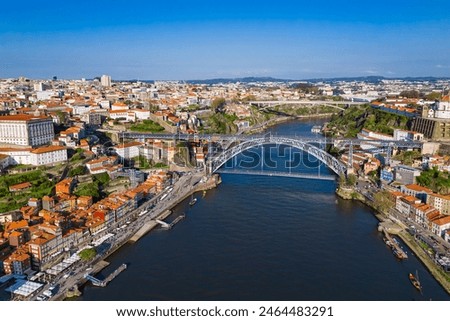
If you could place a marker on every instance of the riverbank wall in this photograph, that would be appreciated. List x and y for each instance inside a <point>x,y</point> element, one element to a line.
<point>99,263</point>
<point>401,231</point>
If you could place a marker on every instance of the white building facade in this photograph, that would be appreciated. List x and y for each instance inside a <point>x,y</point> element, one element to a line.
<point>26,130</point>
<point>106,81</point>
<point>38,156</point>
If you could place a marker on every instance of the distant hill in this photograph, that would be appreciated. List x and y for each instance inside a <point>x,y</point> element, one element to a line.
<point>376,79</point>
<point>235,80</point>
<point>368,79</point>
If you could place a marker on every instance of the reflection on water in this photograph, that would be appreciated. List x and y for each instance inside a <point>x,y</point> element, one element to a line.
<point>267,238</point>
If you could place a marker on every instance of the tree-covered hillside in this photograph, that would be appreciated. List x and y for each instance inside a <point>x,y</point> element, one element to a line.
<point>349,122</point>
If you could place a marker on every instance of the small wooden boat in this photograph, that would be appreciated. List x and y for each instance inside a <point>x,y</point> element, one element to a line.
<point>415,281</point>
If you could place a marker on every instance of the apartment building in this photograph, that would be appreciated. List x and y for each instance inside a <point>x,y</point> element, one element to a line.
<point>440,202</point>
<point>404,204</point>
<point>440,225</point>
<point>417,191</point>
<point>17,263</point>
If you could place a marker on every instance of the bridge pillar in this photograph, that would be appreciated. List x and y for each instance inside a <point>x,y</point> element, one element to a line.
<point>350,157</point>
<point>209,168</point>
<point>388,155</point>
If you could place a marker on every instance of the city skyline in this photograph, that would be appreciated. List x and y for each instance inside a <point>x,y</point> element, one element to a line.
<point>200,40</point>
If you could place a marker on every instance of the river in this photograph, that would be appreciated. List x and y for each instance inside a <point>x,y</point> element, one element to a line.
<point>267,238</point>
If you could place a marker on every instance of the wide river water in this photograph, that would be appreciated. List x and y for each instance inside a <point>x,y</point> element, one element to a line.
<point>267,238</point>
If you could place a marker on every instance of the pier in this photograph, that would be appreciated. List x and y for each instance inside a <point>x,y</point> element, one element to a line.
<point>163,224</point>
<point>179,218</point>
<point>394,245</point>
<point>164,215</point>
<point>175,221</point>
<point>108,279</point>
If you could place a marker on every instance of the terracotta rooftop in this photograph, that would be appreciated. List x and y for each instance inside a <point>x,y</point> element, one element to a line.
<point>418,188</point>
<point>47,149</point>
<point>21,117</point>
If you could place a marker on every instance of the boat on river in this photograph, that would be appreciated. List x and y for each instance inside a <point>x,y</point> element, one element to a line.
<point>415,281</point>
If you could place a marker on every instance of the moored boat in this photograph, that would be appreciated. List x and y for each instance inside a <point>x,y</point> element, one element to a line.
<point>193,201</point>
<point>415,281</point>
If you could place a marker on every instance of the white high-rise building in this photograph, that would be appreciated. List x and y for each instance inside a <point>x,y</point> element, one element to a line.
<point>106,81</point>
<point>26,130</point>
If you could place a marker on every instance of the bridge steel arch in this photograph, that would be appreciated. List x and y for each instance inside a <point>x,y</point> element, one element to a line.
<point>333,163</point>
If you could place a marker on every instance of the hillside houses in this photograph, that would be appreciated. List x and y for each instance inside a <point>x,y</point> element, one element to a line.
<point>419,204</point>
<point>45,234</point>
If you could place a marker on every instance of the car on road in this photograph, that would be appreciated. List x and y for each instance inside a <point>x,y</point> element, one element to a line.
<point>48,293</point>
<point>41,297</point>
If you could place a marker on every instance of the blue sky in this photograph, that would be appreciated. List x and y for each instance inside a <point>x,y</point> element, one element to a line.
<point>211,39</point>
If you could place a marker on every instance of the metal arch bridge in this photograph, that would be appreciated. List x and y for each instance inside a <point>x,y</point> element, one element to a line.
<point>245,142</point>
<point>239,137</point>
<point>260,103</point>
<point>216,161</point>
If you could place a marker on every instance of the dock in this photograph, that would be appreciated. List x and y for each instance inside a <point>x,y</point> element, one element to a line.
<point>164,215</point>
<point>395,246</point>
<point>108,279</point>
<point>168,226</point>
<point>163,224</point>
<point>179,218</point>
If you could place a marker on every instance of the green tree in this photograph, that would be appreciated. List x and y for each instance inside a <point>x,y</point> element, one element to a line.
<point>350,121</point>
<point>79,170</point>
<point>218,104</point>
<point>351,179</point>
<point>433,96</point>
<point>102,178</point>
<point>61,116</point>
<point>436,180</point>
<point>408,157</point>
<point>77,157</point>
<point>87,254</point>
<point>153,108</point>
<point>147,126</point>
<point>88,189</point>
<point>382,201</point>
<point>410,94</point>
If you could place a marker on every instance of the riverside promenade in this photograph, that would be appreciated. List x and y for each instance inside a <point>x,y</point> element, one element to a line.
<point>182,189</point>
<point>400,228</point>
